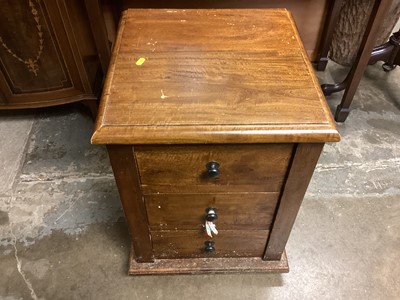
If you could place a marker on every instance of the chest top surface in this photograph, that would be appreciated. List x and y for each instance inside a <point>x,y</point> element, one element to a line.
<point>211,76</point>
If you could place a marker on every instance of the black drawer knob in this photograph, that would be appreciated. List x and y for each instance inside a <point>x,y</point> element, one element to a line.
<point>213,169</point>
<point>211,214</point>
<point>209,246</point>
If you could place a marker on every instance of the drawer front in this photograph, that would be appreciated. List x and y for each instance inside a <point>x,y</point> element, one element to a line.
<point>260,167</point>
<point>191,243</point>
<point>245,211</point>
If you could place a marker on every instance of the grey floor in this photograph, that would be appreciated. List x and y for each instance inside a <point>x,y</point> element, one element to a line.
<point>63,235</point>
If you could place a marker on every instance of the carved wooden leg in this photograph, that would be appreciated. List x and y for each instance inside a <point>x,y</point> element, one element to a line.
<point>328,88</point>
<point>331,21</point>
<point>387,52</point>
<point>381,7</point>
<point>99,31</point>
<point>350,84</point>
<point>394,46</point>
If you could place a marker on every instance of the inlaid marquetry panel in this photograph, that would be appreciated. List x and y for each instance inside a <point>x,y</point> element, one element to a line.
<point>48,54</point>
<point>33,61</point>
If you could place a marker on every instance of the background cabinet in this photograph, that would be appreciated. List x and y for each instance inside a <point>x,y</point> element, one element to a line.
<point>47,54</point>
<point>57,51</point>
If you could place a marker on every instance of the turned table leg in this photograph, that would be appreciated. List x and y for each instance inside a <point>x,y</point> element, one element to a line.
<point>387,52</point>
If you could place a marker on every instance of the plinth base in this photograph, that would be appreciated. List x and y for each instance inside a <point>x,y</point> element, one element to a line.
<point>208,265</point>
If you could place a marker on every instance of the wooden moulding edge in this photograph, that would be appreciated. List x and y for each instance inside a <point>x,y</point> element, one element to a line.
<point>185,134</point>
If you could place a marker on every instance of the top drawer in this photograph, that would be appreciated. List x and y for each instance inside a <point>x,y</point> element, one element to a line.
<point>257,167</point>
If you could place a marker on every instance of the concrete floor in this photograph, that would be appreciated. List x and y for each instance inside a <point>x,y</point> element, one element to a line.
<point>63,234</point>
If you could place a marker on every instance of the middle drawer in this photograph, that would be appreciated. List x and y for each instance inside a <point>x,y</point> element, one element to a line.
<point>244,211</point>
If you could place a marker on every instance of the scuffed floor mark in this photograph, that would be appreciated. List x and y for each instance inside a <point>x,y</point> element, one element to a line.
<point>69,207</point>
<point>367,166</point>
<point>59,177</point>
<point>19,267</point>
<point>18,261</point>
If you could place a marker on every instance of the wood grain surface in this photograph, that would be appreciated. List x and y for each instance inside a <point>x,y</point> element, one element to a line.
<point>302,167</point>
<point>246,211</point>
<point>190,243</point>
<point>263,165</point>
<point>211,76</point>
<point>126,175</point>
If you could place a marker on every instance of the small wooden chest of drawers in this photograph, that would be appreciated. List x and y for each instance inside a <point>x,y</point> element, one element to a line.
<point>214,122</point>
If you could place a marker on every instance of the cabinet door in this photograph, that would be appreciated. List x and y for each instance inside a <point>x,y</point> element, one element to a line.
<point>47,53</point>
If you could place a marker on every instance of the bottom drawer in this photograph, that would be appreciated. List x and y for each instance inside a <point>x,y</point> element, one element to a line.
<point>191,243</point>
